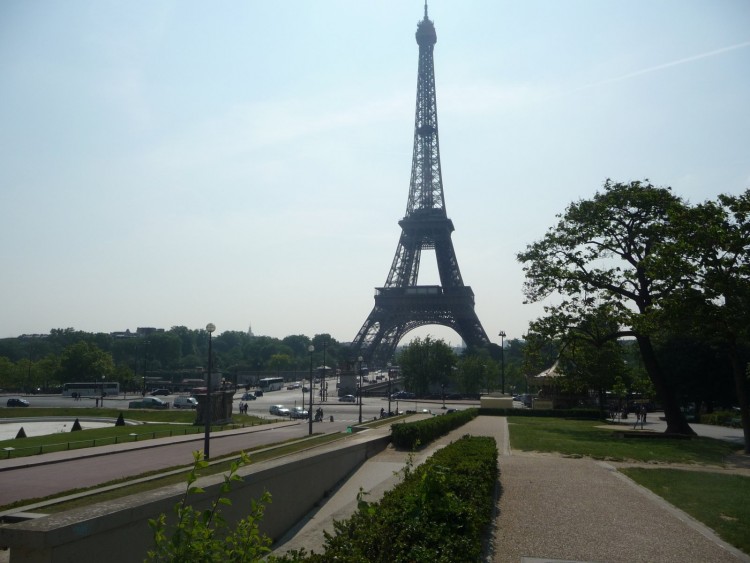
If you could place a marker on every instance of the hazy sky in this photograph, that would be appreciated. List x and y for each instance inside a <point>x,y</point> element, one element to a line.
<point>246,163</point>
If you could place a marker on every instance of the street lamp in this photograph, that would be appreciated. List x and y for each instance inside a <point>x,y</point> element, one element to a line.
<point>360,388</point>
<point>210,327</point>
<point>502,336</point>
<point>310,349</point>
<point>389,389</point>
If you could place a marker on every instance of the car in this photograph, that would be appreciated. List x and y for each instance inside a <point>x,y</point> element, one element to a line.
<point>183,402</point>
<point>347,399</point>
<point>156,392</point>
<point>148,403</point>
<point>16,402</point>
<point>279,410</point>
<point>299,412</point>
<point>248,397</point>
<point>293,386</point>
<point>259,393</point>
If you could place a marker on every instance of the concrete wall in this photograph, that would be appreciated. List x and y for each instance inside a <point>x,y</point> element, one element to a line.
<point>117,531</point>
<point>496,402</point>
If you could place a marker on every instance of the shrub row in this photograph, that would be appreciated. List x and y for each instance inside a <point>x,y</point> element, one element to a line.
<point>439,513</point>
<point>580,414</point>
<point>721,418</point>
<point>410,435</point>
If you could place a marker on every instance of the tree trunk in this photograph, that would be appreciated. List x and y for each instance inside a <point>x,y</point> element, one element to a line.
<point>676,421</point>
<point>740,376</point>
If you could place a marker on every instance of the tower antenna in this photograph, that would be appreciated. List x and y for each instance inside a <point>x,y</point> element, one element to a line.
<point>425,9</point>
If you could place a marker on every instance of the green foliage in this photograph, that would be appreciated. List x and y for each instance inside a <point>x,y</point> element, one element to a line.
<point>83,361</point>
<point>572,414</point>
<point>426,362</point>
<point>204,536</point>
<point>721,418</point>
<point>439,513</point>
<point>612,261</point>
<point>409,435</point>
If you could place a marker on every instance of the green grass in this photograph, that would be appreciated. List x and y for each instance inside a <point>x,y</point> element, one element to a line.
<point>162,424</point>
<point>721,502</point>
<point>584,438</point>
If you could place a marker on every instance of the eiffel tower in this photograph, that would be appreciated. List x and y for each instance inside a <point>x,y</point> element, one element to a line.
<point>401,305</point>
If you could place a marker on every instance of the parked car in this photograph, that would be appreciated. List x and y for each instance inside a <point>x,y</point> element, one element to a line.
<point>292,386</point>
<point>347,399</point>
<point>248,397</point>
<point>148,403</point>
<point>156,392</point>
<point>279,410</point>
<point>299,412</point>
<point>16,402</point>
<point>183,402</point>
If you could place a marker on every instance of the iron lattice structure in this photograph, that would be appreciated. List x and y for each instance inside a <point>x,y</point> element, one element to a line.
<point>401,305</point>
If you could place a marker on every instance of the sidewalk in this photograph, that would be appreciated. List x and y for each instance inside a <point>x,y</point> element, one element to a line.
<point>552,509</point>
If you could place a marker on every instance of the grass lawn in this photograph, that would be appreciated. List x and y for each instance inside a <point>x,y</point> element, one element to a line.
<point>162,424</point>
<point>586,438</point>
<point>721,502</point>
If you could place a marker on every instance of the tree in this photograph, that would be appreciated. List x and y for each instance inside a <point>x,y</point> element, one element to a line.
<point>426,362</point>
<point>716,296</point>
<point>611,250</point>
<point>588,356</point>
<point>477,372</point>
<point>84,362</point>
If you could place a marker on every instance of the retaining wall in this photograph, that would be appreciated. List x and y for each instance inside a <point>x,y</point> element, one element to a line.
<point>117,531</point>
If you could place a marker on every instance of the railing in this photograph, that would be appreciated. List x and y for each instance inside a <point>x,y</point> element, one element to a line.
<point>110,440</point>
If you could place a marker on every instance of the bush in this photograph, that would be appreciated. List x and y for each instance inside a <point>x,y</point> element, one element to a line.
<point>410,435</point>
<point>439,513</point>
<point>204,536</point>
<point>579,414</point>
<point>721,418</point>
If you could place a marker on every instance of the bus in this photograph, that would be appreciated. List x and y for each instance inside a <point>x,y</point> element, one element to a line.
<point>271,383</point>
<point>92,389</point>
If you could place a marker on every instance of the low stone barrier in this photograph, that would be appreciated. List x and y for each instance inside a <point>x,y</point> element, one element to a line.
<point>117,531</point>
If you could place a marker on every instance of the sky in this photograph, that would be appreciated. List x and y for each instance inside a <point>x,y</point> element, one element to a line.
<point>246,163</point>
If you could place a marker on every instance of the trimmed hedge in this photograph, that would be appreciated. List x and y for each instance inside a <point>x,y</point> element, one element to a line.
<point>580,414</point>
<point>410,435</point>
<point>439,513</point>
<point>722,418</point>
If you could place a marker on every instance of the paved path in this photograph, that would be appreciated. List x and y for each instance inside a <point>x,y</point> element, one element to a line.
<point>552,509</point>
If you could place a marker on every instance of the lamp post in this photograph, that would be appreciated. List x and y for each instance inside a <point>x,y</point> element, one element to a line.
<point>210,327</point>
<point>360,388</point>
<point>502,336</point>
<point>310,349</point>
<point>389,389</point>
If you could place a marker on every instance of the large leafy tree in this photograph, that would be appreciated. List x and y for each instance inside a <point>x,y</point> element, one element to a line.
<point>588,357</point>
<point>610,249</point>
<point>715,236</point>
<point>426,362</point>
<point>85,362</point>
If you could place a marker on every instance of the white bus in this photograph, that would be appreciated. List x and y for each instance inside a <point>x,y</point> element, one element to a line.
<point>92,389</point>
<point>271,383</point>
